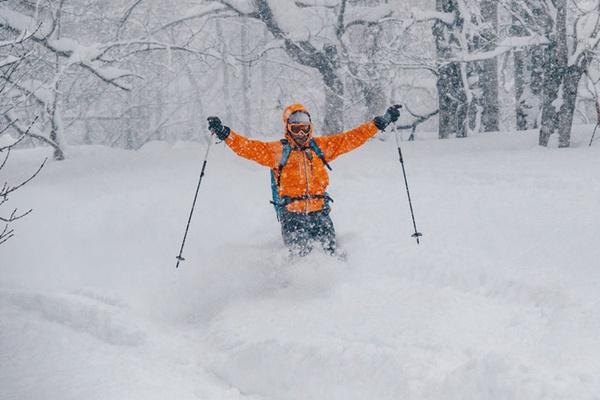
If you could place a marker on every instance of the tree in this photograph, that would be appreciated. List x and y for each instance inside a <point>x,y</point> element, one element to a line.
<point>488,69</point>
<point>452,98</point>
<point>572,35</point>
<point>565,67</point>
<point>327,52</point>
<point>48,46</point>
<point>59,67</point>
<point>469,42</point>
<point>529,69</point>
<point>12,56</point>
<point>8,218</point>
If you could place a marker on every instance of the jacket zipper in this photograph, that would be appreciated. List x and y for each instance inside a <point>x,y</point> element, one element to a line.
<point>307,184</point>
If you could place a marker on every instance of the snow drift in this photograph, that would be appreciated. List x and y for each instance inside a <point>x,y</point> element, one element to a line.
<point>499,302</point>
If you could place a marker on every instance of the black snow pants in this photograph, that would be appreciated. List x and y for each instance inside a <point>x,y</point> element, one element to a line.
<point>302,231</point>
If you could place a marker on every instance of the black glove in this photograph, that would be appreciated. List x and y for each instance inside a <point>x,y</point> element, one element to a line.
<point>391,115</point>
<point>216,127</point>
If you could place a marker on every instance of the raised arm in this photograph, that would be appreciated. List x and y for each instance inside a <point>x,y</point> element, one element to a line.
<point>336,145</point>
<point>264,153</point>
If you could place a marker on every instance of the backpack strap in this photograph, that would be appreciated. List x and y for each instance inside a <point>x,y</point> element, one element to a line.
<point>276,175</point>
<point>315,147</point>
<point>285,156</point>
<point>280,203</point>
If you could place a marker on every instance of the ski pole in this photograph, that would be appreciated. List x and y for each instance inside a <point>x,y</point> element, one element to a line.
<point>179,257</point>
<point>417,234</point>
<point>597,117</point>
<point>594,134</point>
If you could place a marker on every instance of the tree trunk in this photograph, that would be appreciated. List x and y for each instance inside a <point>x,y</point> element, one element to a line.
<point>326,61</point>
<point>556,59</point>
<point>450,87</point>
<point>56,130</point>
<point>529,79</point>
<point>226,79</point>
<point>264,83</point>
<point>334,103</point>
<point>158,116</point>
<point>452,102</point>
<point>247,113</point>
<point>130,123</point>
<point>488,78</point>
<point>56,127</point>
<point>565,120</point>
<point>374,93</point>
<point>198,109</point>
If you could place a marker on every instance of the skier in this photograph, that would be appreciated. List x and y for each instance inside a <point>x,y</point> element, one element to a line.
<point>299,177</point>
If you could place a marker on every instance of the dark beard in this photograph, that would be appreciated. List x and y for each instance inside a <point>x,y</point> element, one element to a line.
<point>301,143</point>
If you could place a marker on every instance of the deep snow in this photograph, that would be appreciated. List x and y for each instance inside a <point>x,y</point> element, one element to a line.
<point>499,302</point>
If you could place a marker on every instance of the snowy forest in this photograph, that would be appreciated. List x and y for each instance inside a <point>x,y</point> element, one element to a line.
<point>299,199</point>
<point>123,73</point>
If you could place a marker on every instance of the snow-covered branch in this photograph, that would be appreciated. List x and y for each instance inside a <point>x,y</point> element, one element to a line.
<point>76,53</point>
<point>587,35</point>
<point>30,130</point>
<point>504,46</point>
<point>419,15</point>
<point>418,120</point>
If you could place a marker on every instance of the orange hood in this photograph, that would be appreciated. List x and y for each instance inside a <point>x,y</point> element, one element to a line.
<point>289,110</point>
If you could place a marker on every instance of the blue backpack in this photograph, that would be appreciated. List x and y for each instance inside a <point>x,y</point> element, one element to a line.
<point>280,202</point>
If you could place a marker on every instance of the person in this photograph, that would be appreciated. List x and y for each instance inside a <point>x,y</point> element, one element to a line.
<point>299,164</point>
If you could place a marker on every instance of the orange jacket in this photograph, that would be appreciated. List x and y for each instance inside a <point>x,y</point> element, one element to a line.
<point>304,173</point>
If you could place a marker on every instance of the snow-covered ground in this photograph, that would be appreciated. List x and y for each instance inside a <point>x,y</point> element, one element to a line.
<point>500,301</point>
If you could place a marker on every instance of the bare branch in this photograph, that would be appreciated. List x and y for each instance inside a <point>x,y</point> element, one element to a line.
<point>308,4</point>
<point>8,149</point>
<point>5,158</point>
<point>340,28</point>
<point>205,13</point>
<point>504,46</point>
<point>146,46</point>
<point>6,189</point>
<point>12,123</point>
<point>58,47</point>
<point>25,36</point>
<point>419,119</point>
<point>365,22</point>
<point>14,216</point>
<point>6,234</point>
<point>29,131</point>
<point>110,80</point>
<point>127,14</point>
<point>5,192</point>
<point>8,126</point>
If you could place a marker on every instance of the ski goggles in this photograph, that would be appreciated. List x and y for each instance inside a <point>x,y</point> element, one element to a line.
<point>299,129</point>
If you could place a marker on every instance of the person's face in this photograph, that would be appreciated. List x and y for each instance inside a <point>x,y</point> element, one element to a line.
<point>299,132</point>
<point>299,127</point>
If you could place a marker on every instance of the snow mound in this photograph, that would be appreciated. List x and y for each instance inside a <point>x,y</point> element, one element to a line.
<point>92,315</point>
<point>498,302</point>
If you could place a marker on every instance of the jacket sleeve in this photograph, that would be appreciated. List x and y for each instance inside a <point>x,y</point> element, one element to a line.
<point>336,145</point>
<point>264,153</point>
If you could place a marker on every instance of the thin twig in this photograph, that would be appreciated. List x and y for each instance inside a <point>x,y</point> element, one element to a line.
<point>12,189</point>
